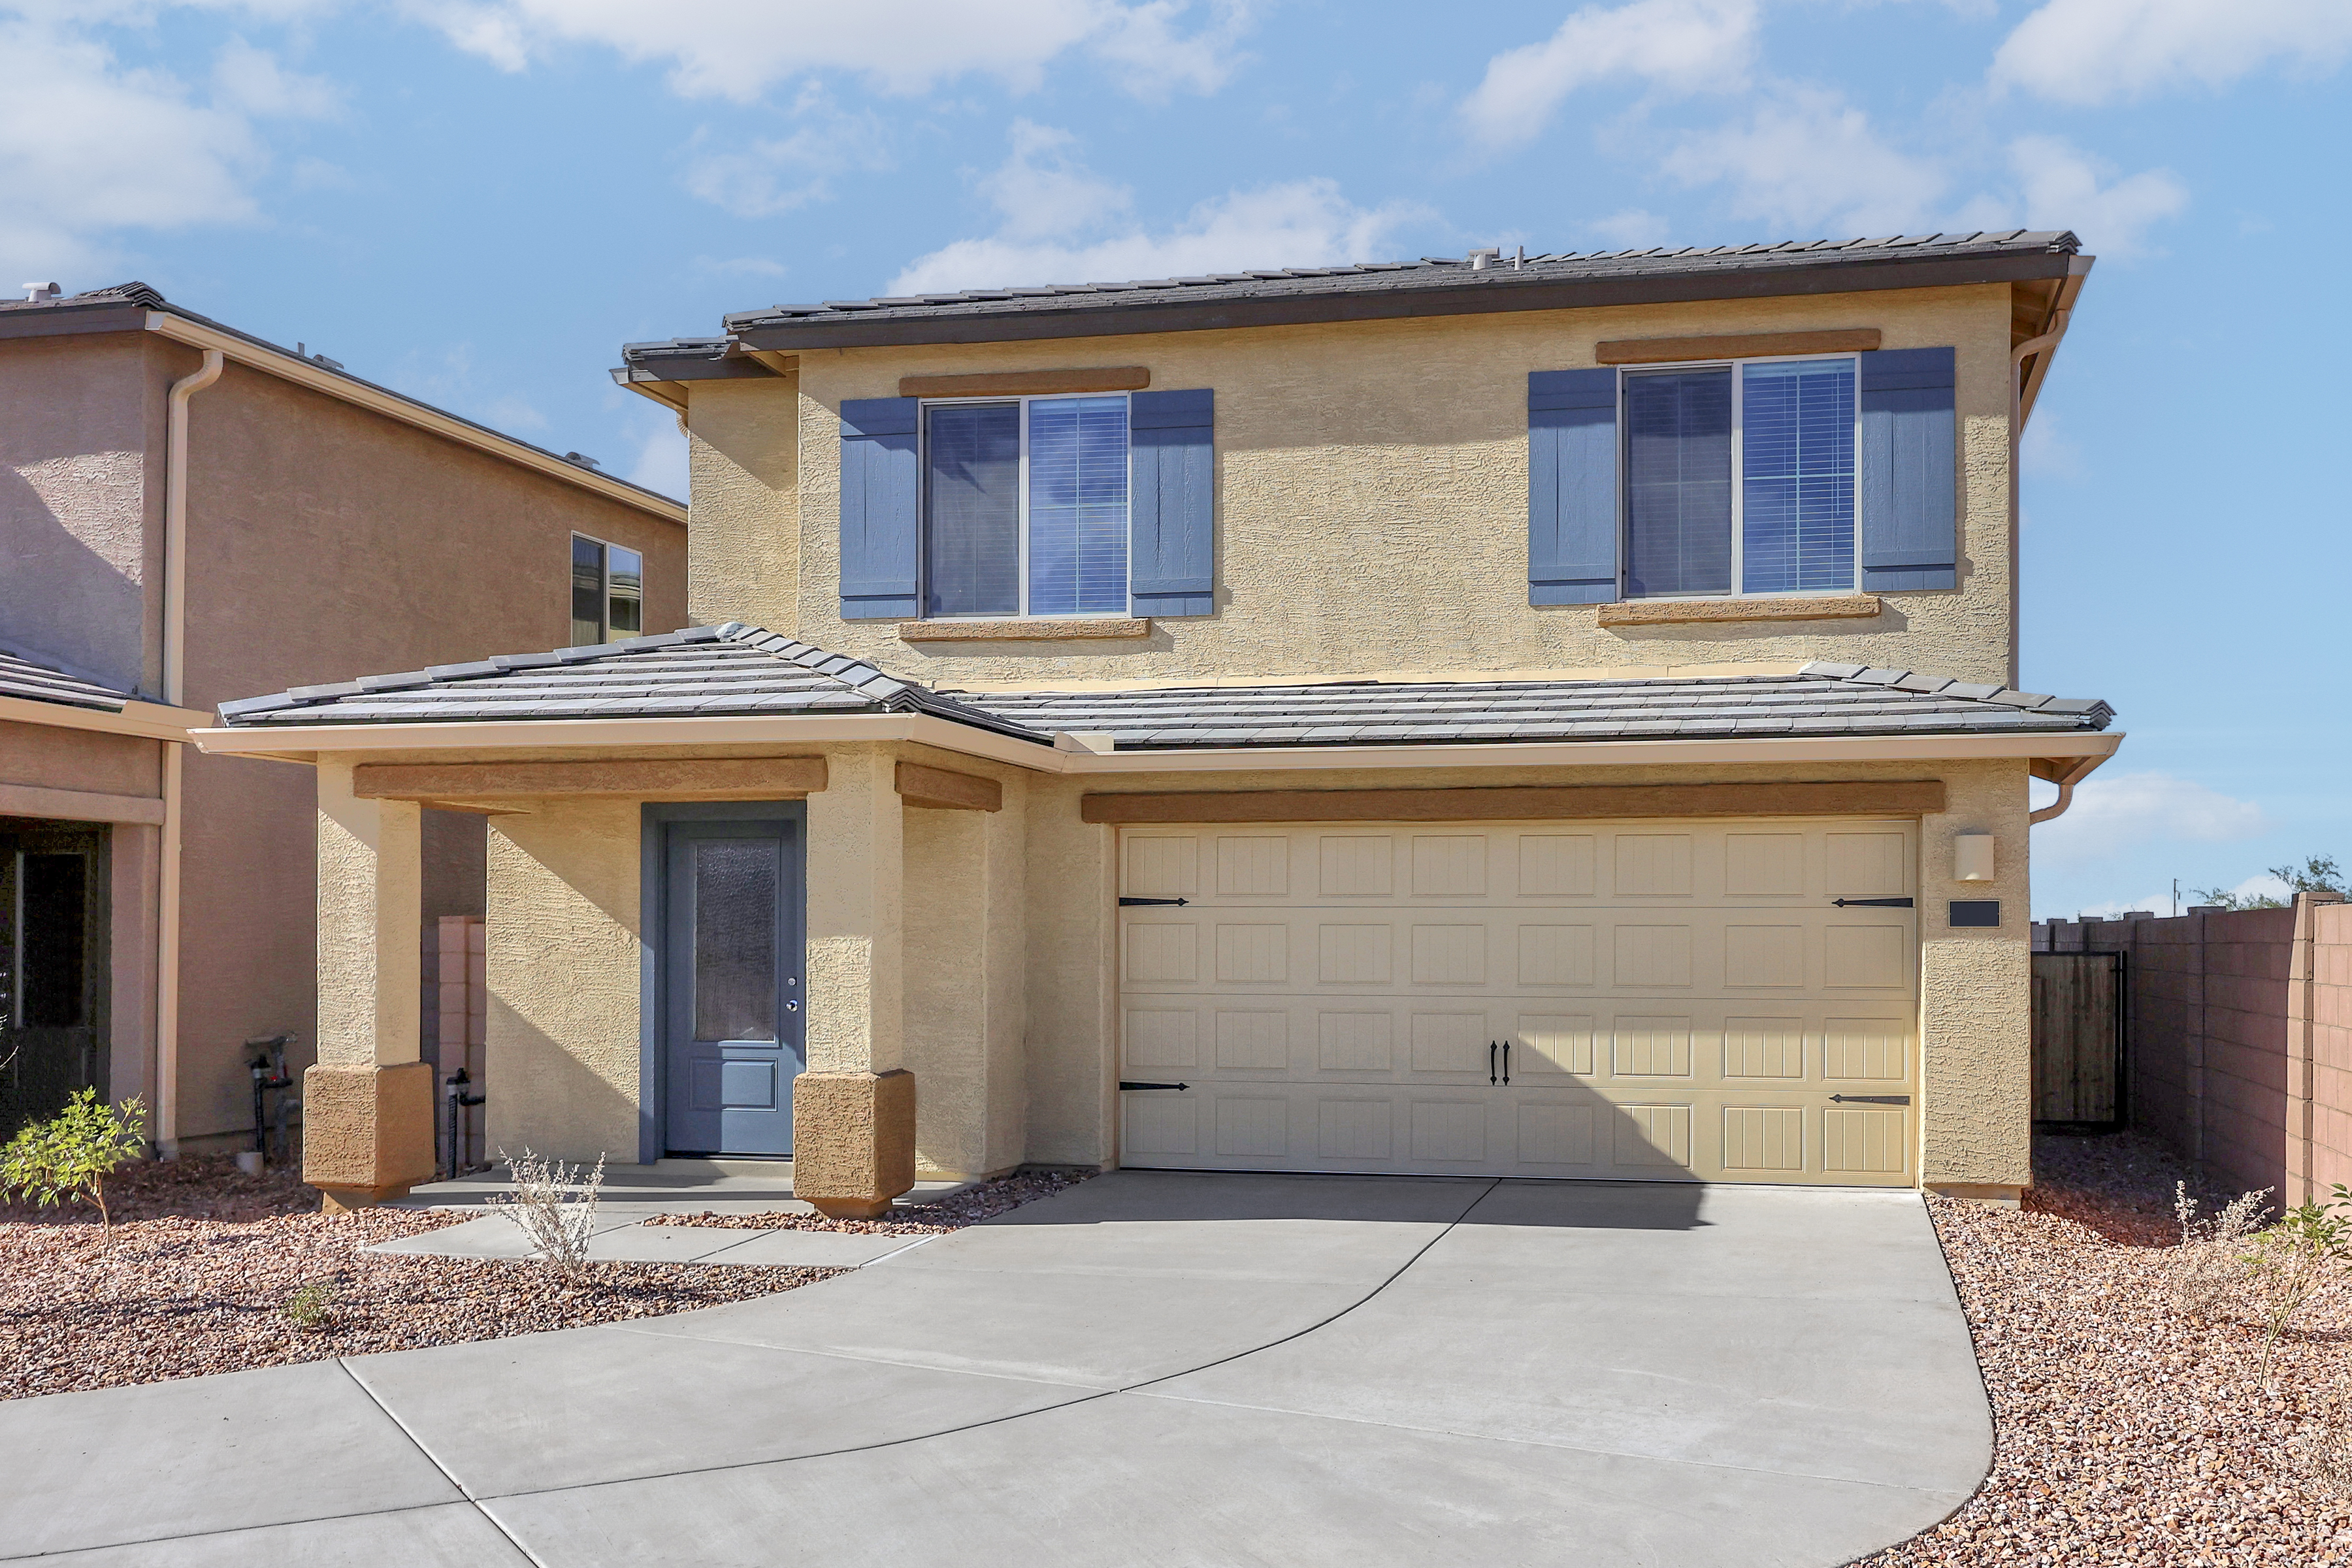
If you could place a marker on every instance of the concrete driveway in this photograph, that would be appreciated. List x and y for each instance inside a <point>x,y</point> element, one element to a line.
<point>1153,1368</point>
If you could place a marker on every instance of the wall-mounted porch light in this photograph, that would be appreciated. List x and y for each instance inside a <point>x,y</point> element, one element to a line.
<point>1972,857</point>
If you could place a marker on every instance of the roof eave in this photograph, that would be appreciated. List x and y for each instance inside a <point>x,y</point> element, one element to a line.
<point>309,742</point>
<point>1178,315</point>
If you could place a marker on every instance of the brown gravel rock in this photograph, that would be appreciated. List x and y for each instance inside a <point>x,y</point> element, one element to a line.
<point>206,1263</point>
<point>971,1205</point>
<point>2127,1433</point>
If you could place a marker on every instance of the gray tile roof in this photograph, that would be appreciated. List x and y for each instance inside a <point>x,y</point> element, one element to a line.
<point>42,682</point>
<point>1431,284</point>
<point>734,668</point>
<point>1825,699</point>
<point>701,672</point>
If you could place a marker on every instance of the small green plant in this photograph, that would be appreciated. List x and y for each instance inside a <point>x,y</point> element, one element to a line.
<point>311,1306</point>
<point>68,1158</point>
<point>2306,1251</point>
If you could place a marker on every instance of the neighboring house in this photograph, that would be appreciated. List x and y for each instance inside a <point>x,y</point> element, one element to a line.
<point>188,514</point>
<point>1547,716</point>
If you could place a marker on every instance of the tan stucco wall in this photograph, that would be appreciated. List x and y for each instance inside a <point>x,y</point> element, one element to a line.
<point>562,972</point>
<point>742,459</point>
<point>1372,501</point>
<point>1976,989</point>
<point>49,756</point>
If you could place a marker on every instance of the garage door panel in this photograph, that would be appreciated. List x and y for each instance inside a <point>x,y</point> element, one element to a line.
<point>1331,994</point>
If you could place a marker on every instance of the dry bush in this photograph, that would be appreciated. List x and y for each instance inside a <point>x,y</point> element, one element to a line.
<point>2324,1449</point>
<point>2208,1276</point>
<point>558,1230</point>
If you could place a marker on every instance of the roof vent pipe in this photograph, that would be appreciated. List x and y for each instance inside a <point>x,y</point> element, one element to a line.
<point>1478,258</point>
<point>36,292</point>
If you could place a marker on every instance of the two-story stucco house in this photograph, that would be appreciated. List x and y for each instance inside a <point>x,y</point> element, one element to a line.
<point>189,513</point>
<point>1547,716</point>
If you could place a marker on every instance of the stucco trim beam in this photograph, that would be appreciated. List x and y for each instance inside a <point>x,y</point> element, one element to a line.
<point>148,721</point>
<point>943,789</point>
<point>481,786</point>
<point>1023,631</point>
<point>78,804</point>
<point>1917,798</point>
<point>1027,383</point>
<point>1734,345</point>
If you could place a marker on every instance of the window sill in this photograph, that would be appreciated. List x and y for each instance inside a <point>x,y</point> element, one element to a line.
<point>1673,612</point>
<point>1042,630</point>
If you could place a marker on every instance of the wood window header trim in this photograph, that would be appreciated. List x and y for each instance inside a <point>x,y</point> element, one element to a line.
<point>1027,383</point>
<point>1909,797</point>
<point>944,789</point>
<point>470,785</point>
<point>1673,612</point>
<point>1735,345</point>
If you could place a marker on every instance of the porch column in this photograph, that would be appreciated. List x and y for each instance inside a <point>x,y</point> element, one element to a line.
<point>367,1106</point>
<point>853,1108</point>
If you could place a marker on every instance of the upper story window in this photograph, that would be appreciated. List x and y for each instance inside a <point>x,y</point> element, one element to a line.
<point>1026,507</point>
<point>608,592</point>
<point>1740,479</point>
<point>1813,475</point>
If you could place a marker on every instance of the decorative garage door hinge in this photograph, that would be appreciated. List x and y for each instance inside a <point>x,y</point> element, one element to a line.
<point>1850,904</point>
<point>1870,1098</point>
<point>1138,903</point>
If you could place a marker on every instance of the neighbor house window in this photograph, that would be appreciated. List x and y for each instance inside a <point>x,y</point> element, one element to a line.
<point>1024,507</point>
<point>608,592</point>
<point>1740,479</point>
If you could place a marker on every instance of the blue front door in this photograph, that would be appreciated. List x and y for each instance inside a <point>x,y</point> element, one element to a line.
<point>732,1021</point>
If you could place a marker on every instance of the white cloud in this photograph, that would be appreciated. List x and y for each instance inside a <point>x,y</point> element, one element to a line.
<point>661,462</point>
<point>1061,223</point>
<point>2097,51</point>
<point>739,49</point>
<point>2048,452</point>
<point>772,176</point>
<point>1632,229</point>
<point>252,81</point>
<point>1809,163</point>
<point>1675,46</point>
<point>2131,811</point>
<point>2062,189</point>
<point>89,148</point>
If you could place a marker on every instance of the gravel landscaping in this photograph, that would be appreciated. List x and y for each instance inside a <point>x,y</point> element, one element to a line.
<point>212,1271</point>
<point>2128,1432</point>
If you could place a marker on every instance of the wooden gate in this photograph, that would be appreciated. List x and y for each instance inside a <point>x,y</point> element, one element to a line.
<point>2078,1038</point>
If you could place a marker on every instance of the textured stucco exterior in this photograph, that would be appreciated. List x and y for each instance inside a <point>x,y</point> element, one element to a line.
<point>325,540</point>
<point>562,972</point>
<point>1372,500</point>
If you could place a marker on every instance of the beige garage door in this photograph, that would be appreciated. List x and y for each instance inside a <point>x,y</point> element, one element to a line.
<point>1666,1000</point>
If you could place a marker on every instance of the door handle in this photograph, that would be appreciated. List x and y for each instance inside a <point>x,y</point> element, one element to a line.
<point>1490,1061</point>
<point>1507,1064</point>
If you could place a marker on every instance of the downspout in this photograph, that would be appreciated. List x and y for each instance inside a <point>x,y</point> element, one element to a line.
<point>2057,809</point>
<point>175,653</point>
<point>2017,357</point>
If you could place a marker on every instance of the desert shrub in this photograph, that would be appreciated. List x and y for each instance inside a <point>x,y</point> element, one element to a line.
<point>2304,1254</point>
<point>558,1230</point>
<point>68,1158</point>
<point>312,1307</point>
<point>2208,1276</point>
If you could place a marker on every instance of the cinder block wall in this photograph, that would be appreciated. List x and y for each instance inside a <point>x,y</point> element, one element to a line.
<point>2238,1037</point>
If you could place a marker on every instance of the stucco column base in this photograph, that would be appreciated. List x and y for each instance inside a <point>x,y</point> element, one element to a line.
<point>1997,1194</point>
<point>852,1140</point>
<point>367,1132</point>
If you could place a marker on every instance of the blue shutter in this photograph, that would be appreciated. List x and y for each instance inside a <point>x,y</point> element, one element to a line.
<point>1909,517</point>
<point>881,509</point>
<point>1572,486</point>
<point>1172,499</point>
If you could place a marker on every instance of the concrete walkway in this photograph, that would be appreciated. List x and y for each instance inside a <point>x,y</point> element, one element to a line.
<point>1163,1369</point>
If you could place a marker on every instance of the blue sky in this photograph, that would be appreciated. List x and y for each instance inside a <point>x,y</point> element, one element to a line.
<point>477,201</point>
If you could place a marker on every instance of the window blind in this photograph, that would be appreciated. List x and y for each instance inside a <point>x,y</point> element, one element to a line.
<point>1678,482</point>
<point>1796,475</point>
<point>1078,505</point>
<point>973,547</point>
